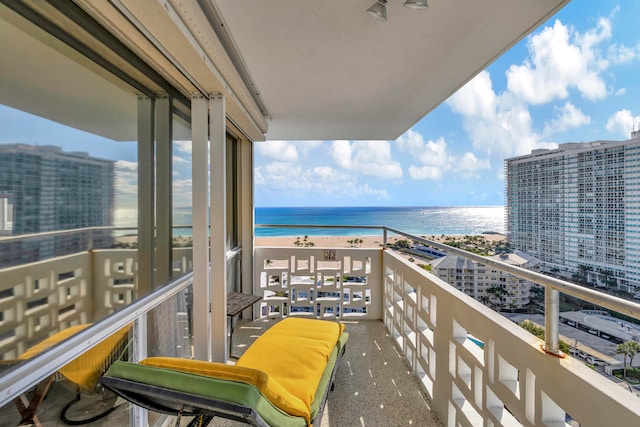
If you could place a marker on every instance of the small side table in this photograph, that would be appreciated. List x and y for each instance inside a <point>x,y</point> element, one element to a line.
<point>236,303</point>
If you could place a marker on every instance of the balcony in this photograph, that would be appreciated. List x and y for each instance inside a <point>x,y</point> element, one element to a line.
<point>466,363</point>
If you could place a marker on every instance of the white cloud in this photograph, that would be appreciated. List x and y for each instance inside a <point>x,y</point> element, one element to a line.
<point>178,159</point>
<point>476,98</point>
<point>561,59</point>
<point>183,192</point>
<point>569,117</point>
<point>621,91</point>
<point>306,146</point>
<point>623,122</point>
<point>433,159</point>
<point>126,184</point>
<point>124,165</point>
<point>341,153</point>
<point>432,153</point>
<point>468,165</point>
<point>371,158</point>
<point>621,54</point>
<point>424,172</point>
<point>183,146</point>
<point>503,128</point>
<point>321,181</point>
<point>281,151</point>
<point>258,177</point>
<point>561,62</point>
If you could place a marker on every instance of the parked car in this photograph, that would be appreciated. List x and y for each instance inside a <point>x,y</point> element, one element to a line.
<point>571,323</point>
<point>582,354</point>
<point>593,331</point>
<point>596,362</point>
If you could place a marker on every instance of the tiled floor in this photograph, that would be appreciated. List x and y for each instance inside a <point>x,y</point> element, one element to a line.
<point>373,385</point>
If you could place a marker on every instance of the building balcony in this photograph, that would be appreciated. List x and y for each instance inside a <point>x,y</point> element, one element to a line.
<point>419,349</point>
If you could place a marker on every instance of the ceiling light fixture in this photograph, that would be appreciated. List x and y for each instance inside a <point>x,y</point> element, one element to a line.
<point>416,4</point>
<point>379,10</point>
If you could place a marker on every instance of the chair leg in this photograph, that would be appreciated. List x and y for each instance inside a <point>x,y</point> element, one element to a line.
<point>29,408</point>
<point>79,422</point>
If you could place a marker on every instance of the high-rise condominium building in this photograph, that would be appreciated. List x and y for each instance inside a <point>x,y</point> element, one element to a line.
<point>43,188</point>
<point>577,208</point>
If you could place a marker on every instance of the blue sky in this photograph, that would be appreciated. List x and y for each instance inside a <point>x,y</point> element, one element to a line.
<point>574,79</point>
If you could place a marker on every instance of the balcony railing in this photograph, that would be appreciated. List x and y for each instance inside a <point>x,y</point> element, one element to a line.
<point>477,367</point>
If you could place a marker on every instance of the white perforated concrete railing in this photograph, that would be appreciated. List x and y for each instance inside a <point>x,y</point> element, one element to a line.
<point>481,369</point>
<point>329,283</point>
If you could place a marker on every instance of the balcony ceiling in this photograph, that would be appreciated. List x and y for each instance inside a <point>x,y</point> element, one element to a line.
<point>328,70</point>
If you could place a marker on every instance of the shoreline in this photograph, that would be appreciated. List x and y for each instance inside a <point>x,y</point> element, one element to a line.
<point>374,241</point>
<point>367,241</point>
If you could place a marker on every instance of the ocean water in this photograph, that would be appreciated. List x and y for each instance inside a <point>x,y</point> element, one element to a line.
<point>414,220</point>
<point>421,221</point>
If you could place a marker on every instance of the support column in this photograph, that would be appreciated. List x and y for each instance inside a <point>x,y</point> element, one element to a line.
<point>200,219</point>
<point>164,189</point>
<point>218,135</point>
<point>145,194</point>
<point>246,216</point>
<point>551,319</point>
<point>146,129</point>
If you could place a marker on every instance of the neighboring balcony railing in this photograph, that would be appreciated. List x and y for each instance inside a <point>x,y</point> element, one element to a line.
<point>40,298</point>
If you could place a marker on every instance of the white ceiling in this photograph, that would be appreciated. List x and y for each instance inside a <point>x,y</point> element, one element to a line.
<point>328,70</point>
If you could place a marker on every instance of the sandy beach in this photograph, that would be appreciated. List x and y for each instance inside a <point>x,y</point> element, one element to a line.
<point>327,241</point>
<point>343,241</point>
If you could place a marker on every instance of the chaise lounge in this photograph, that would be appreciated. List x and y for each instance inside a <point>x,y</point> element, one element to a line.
<point>282,379</point>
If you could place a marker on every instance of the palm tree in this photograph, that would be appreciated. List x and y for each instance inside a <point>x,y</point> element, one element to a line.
<point>485,300</point>
<point>628,349</point>
<point>635,345</point>
<point>496,295</point>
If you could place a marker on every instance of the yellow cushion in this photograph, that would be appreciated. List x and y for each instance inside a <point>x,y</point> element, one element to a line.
<point>85,370</point>
<point>294,353</point>
<point>52,340</point>
<point>267,386</point>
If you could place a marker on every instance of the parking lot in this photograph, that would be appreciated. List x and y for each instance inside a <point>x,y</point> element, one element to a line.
<point>586,343</point>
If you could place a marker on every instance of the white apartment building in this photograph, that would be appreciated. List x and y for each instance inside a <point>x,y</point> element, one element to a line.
<point>476,279</point>
<point>577,208</point>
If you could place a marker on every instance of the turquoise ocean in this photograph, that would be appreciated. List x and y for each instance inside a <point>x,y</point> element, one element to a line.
<point>414,220</point>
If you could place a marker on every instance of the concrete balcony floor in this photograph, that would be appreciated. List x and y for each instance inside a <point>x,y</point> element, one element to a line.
<point>373,387</point>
